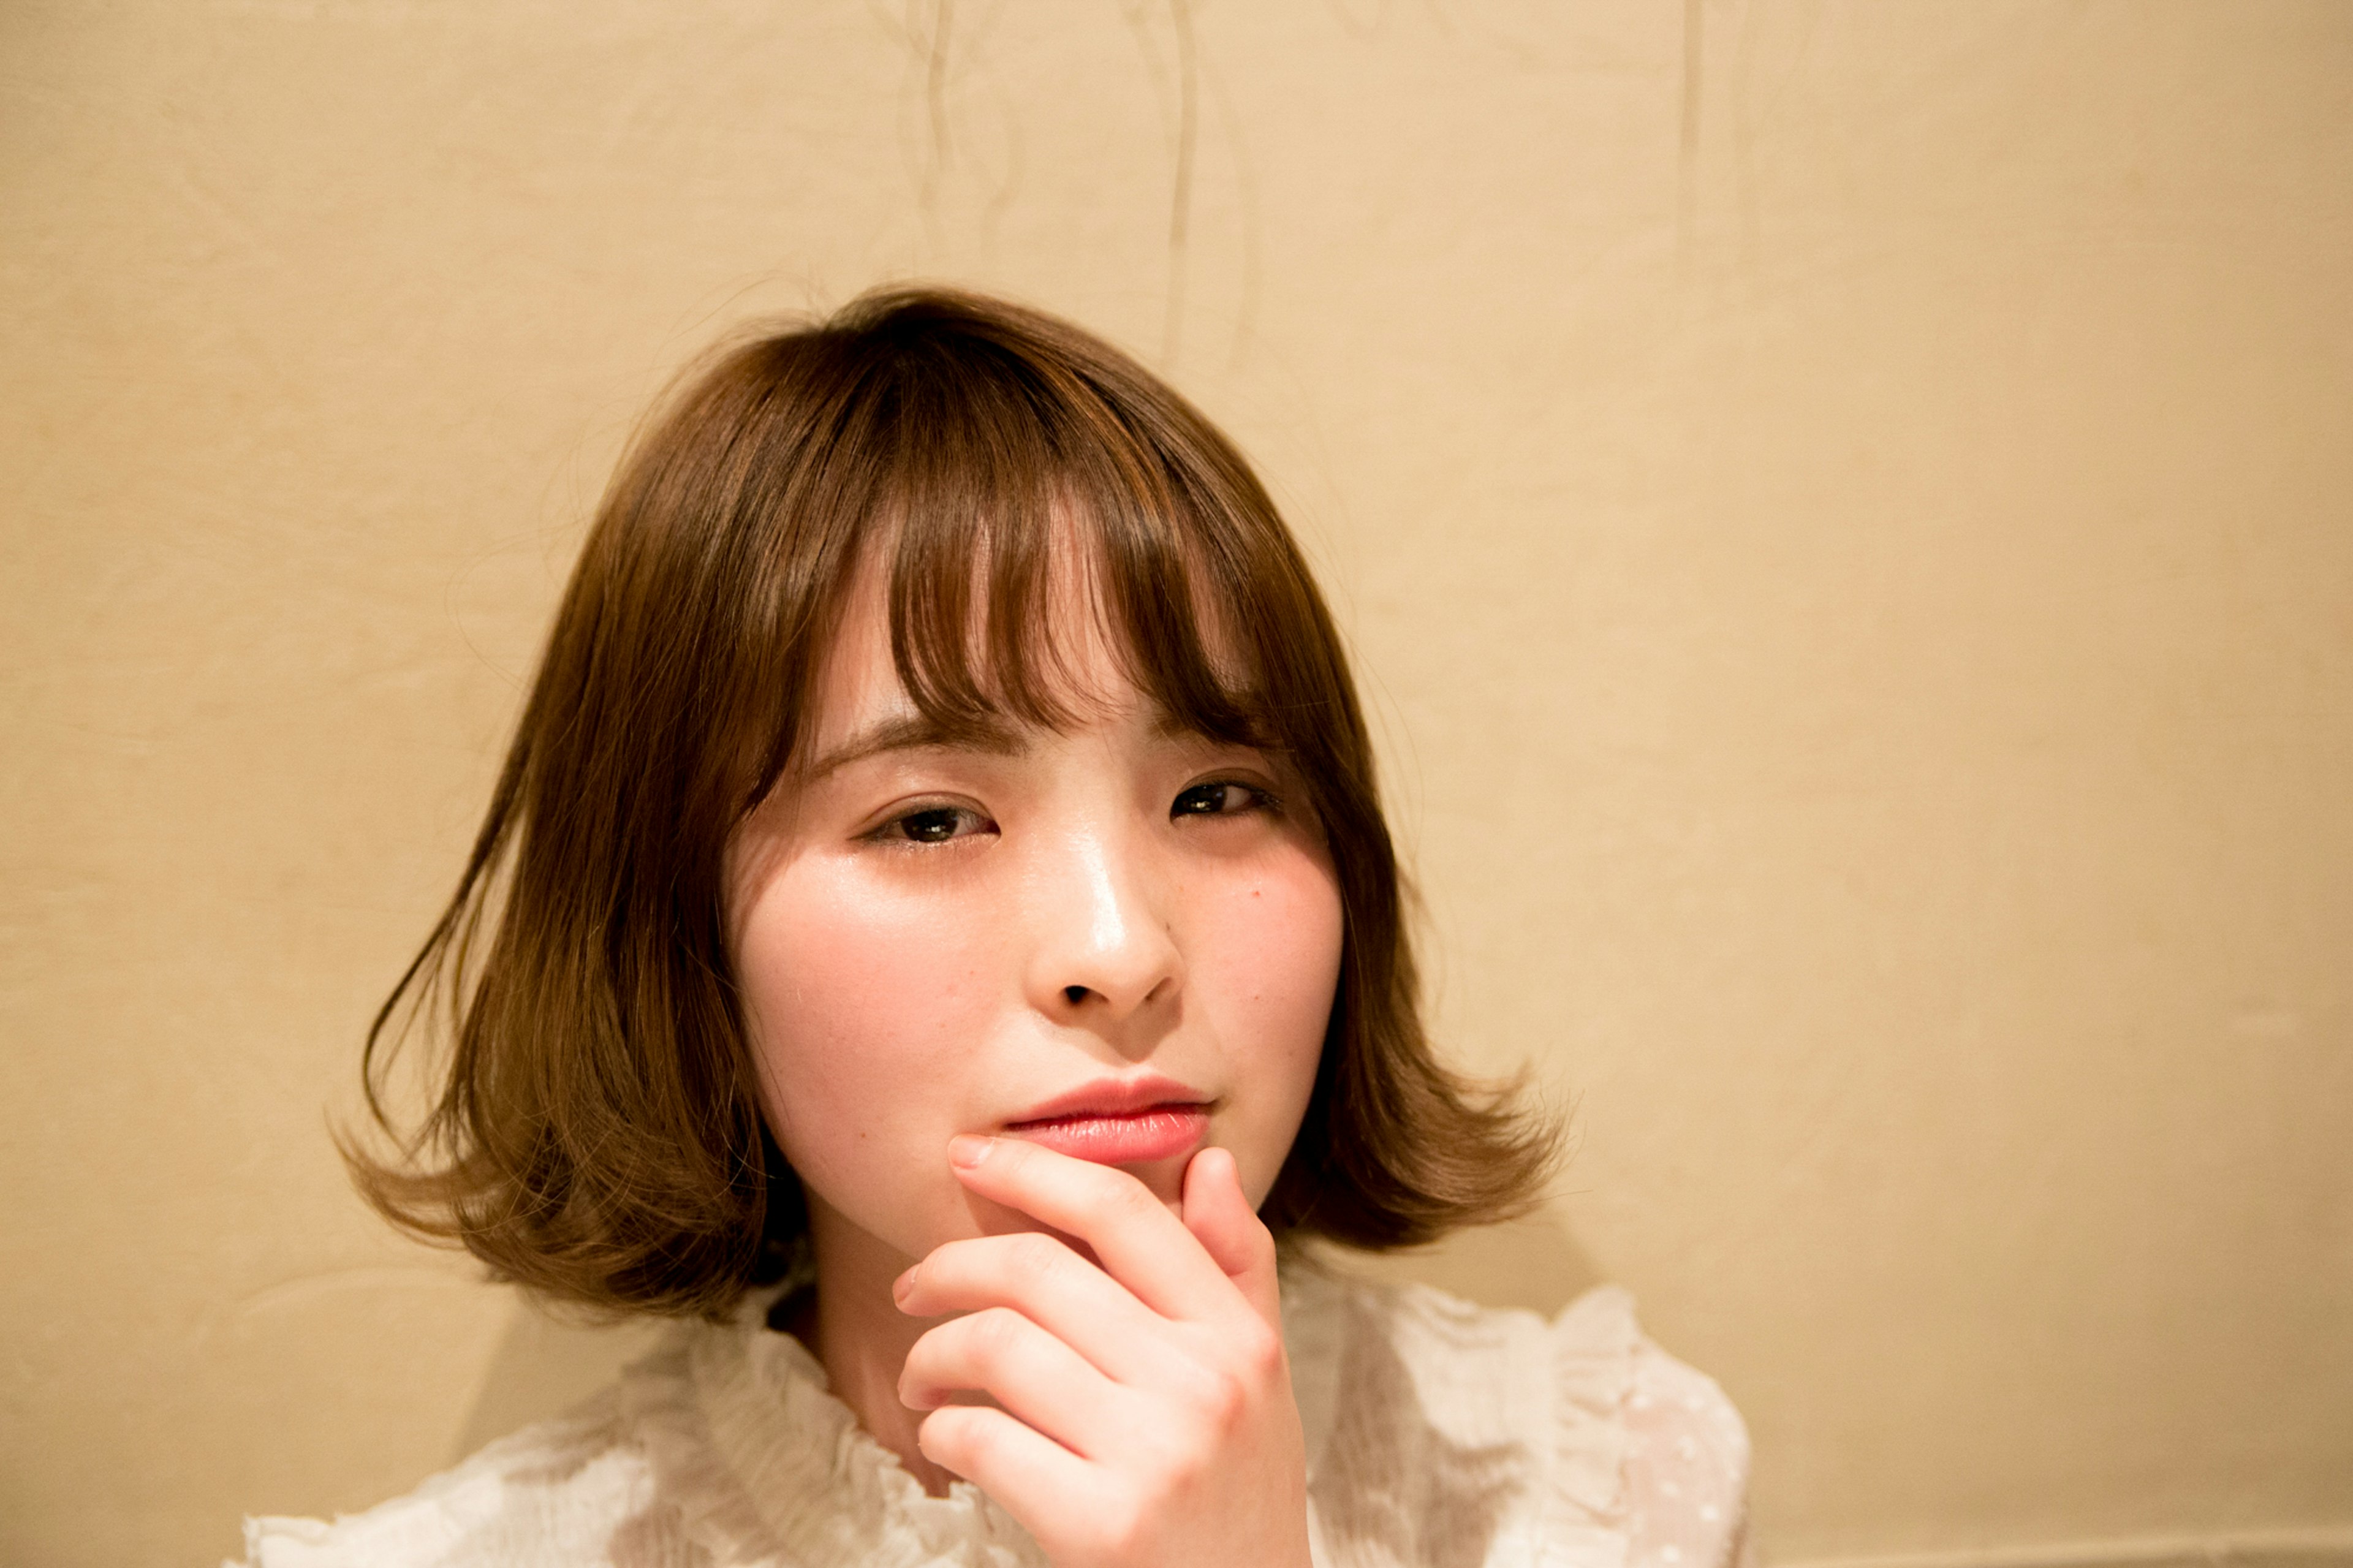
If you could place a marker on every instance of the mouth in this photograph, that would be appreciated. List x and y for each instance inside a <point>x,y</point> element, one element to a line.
<point>1114,1123</point>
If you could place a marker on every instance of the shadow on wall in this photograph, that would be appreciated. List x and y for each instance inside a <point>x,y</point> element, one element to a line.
<point>1532,1263</point>
<point>544,1365</point>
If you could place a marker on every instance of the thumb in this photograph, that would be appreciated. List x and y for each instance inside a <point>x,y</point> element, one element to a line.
<point>1219,1216</point>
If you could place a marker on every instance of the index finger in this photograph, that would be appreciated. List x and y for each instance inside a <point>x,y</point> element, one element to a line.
<point>1138,1240</point>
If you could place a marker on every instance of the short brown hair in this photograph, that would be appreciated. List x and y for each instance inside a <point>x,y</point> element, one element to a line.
<point>598,1137</point>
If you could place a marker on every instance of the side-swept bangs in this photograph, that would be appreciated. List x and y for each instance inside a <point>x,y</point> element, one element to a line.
<point>597,1136</point>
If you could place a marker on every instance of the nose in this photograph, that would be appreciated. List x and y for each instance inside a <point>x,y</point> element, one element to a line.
<point>1104,951</point>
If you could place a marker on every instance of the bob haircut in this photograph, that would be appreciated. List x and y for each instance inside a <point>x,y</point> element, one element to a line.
<point>597,1136</point>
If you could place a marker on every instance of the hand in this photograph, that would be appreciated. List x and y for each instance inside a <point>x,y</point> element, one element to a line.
<point>1147,1417</point>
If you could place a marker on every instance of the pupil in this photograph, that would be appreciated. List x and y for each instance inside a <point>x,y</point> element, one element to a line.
<point>931,826</point>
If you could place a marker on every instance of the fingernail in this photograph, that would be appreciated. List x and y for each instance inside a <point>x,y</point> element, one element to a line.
<point>901,1286</point>
<point>968,1149</point>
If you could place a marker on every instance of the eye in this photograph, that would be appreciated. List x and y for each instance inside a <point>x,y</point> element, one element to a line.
<point>1219,798</point>
<point>931,825</point>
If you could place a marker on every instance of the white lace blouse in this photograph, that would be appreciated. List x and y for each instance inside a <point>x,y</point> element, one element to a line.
<point>1440,1434</point>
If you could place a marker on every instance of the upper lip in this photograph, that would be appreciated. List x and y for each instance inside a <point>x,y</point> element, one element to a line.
<point>1112,1097</point>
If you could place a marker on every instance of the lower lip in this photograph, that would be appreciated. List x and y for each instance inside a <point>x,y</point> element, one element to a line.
<point>1138,1138</point>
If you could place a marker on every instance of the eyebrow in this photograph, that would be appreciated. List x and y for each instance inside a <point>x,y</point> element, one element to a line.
<point>915,733</point>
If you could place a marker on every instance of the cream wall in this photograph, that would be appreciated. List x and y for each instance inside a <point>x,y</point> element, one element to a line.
<point>1842,510</point>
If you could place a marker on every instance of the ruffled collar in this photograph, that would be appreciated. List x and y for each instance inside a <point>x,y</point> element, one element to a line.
<point>746,1435</point>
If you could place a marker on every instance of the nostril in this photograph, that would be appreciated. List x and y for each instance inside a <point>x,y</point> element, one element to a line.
<point>1074,994</point>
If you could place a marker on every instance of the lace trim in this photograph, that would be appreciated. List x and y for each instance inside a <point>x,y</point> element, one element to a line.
<point>1466,1435</point>
<point>768,1467</point>
<point>658,1401</point>
<point>1594,1342</point>
<point>1584,1517</point>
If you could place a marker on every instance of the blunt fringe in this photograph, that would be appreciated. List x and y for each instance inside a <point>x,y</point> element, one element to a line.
<point>596,1135</point>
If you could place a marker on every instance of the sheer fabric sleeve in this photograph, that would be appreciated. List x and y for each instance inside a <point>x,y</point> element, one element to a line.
<point>1686,1469</point>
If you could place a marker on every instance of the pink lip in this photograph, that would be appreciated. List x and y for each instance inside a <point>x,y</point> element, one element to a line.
<point>1116,1122</point>
<point>1137,1138</point>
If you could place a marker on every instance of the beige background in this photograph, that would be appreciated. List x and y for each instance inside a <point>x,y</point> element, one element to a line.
<point>1842,510</point>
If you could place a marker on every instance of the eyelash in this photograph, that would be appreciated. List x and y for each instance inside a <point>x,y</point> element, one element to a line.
<point>896,832</point>
<point>1254,798</point>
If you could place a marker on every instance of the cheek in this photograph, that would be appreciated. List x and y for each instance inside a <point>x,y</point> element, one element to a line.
<point>1268,962</point>
<point>866,1008</point>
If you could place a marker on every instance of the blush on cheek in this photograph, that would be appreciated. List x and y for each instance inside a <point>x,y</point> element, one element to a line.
<point>879,972</point>
<point>1266,969</point>
<point>1288,930</point>
<point>868,1012</point>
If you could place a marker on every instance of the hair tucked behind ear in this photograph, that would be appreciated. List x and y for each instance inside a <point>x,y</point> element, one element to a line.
<point>597,1134</point>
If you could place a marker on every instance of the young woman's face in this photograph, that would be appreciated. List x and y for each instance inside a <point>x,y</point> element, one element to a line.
<point>1119,940</point>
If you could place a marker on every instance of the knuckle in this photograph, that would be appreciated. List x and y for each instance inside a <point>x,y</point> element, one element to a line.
<point>1121,1526</point>
<point>1125,1197</point>
<point>1035,1257</point>
<point>995,1333</point>
<point>1218,1400</point>
<point>1260,1354</point>
<point>1225,1401</point>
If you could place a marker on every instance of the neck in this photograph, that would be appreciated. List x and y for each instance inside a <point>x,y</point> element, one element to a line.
<point>861,1339</point>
